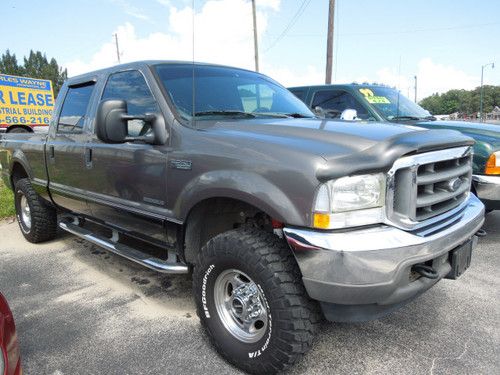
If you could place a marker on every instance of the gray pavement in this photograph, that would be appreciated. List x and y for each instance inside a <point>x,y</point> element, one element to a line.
<point>80,310</point>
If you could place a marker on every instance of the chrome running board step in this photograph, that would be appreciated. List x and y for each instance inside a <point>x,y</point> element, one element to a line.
<point>125,251</point>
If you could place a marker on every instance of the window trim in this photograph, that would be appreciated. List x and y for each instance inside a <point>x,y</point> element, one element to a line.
<point>76,130</point>
<point>109,75</point>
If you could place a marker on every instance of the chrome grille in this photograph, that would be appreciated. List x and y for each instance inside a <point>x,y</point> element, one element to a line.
<point>442,186</point>
<point>427,185</point>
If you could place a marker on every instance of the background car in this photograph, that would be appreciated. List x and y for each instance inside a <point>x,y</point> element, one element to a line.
<point>381,103</point>
<point>10,358</point>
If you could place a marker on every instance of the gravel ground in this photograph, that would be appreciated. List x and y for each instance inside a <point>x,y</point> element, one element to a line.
<point>80,310</point>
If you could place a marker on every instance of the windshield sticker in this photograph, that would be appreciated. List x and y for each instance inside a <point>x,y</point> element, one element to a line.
<point>372,99</point>
<point>377,100</point>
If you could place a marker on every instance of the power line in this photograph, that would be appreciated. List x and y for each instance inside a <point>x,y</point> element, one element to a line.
<point>292,22</point>
<point>402,31</point>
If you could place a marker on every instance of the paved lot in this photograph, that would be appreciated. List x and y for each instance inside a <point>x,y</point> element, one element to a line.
<point>80,310</point>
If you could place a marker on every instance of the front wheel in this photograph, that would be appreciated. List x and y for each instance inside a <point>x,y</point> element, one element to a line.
<point>251,301</point>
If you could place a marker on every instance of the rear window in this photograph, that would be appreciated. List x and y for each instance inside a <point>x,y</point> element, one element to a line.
<point>74,109</point>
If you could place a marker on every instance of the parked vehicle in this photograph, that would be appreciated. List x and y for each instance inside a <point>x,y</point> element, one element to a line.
<point>273,209</point>
<point>10,358</point>
<point>381,103</point>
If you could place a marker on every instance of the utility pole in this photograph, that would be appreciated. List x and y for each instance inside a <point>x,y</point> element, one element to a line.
<point>415,88</point>
<point>255,41</point>
<point>117,48</point>
<point>329,42</point>
<point>481,100</point>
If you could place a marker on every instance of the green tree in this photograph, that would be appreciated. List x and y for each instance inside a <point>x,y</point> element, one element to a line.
<point>462,101</point>
<point>36,65</point>
<point>9,64</point>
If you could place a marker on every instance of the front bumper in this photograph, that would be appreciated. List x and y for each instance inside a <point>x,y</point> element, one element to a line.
<point>488,190</point>
<point>371,267</point>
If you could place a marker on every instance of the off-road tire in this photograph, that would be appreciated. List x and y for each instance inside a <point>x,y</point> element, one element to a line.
<point>43,216</point>
<point>268,261</point>
<point>19,130</point>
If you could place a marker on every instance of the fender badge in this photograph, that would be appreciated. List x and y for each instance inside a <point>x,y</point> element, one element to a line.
<point>186,165</point>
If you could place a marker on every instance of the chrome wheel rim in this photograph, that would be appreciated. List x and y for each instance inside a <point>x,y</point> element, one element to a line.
<point>241,306</point>
<point>25,212</point>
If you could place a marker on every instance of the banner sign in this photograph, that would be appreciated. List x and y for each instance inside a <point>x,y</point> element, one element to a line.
<point>25,101</point>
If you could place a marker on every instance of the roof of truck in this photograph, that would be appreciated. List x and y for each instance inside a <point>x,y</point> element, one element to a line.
<point>138,64</point>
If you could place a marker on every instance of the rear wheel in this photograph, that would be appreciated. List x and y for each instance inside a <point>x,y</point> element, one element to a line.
<point>36,218</point>
<point>19,130</point>
<point>251,301</point>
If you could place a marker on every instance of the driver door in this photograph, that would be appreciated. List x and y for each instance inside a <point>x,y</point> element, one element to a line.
<point>130,179</point>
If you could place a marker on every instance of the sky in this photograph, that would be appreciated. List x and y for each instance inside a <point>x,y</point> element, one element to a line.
<point>443,42</point>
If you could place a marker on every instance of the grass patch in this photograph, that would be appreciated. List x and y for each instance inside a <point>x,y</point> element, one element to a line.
<point>6,201</point>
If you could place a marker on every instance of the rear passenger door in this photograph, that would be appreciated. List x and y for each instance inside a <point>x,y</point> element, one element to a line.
<point>128,181</point>
<point>66,147</point>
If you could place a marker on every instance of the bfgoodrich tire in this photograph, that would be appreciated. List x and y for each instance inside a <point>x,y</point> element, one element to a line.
<point>251,301</point>
<point>36,218</point>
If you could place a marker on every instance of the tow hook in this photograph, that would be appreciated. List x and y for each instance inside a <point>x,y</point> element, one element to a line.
<point>425,271</point>
<point>481,233</point>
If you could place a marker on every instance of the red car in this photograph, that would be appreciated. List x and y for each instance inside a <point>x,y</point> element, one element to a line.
<point>10,359</point>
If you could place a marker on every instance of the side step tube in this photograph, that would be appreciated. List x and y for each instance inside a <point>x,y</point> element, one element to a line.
<point>125,251</point>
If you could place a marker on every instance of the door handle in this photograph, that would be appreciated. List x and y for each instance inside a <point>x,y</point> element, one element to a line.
<point>52,153</point>
<point>88,158</point>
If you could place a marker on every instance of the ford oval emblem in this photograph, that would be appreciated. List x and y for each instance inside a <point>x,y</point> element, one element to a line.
<point>454,184</point>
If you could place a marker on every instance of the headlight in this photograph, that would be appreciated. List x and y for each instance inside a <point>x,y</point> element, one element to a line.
<point>493,164</point>
<point>350,201</point>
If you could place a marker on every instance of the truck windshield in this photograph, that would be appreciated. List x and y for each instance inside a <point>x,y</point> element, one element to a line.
<point>222,92</point>
<point>392,105</point>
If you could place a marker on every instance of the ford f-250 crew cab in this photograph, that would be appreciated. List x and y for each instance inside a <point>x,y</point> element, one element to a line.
<point>222,171</point>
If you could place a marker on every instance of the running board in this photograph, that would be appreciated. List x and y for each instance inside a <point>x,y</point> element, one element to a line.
<point>124,250</point>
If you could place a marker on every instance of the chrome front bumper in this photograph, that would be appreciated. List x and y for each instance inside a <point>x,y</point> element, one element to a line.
<point>373,265</point>
<point>488,190</point>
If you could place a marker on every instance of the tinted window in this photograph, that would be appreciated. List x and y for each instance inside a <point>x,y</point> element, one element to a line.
<point>336,101</point>
<point>131,87</point>
<point>220,91</point>
<point>299,93</point>
<point>391,104</point>
<point>74,109</point>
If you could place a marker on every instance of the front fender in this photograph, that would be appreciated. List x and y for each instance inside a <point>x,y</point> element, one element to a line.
<point>247,187</point>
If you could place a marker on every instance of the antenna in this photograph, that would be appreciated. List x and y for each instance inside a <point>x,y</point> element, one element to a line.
<point>255,42</point>
<point>193,119</point>
<point>117,48</point>
<point>399,85</point>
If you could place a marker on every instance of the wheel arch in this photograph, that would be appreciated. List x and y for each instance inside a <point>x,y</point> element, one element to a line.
<point>18,171</point>
<point>24,127</point>
<point>216,215</point>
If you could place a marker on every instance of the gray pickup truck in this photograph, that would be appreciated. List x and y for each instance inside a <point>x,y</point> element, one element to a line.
<point>279,215</point>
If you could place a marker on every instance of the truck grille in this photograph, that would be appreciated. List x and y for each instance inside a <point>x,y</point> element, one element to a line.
<point>427,185</point>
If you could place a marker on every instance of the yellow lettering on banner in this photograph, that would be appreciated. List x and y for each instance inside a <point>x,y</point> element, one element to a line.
<point>25,101</point>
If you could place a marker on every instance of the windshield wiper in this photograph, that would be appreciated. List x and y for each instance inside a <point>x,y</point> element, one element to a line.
<point>281,115</point>
<point>224,113</point>
<point>405,118</point>
<point>432,118</point>
<point>297,115</point>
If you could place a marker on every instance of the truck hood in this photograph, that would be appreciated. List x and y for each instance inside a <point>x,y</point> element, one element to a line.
<point>347,147</point>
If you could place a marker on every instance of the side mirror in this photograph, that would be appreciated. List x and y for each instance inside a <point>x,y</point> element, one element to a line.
<point>349,115</point>
<point>112,122</point>
<point>320,112</point>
